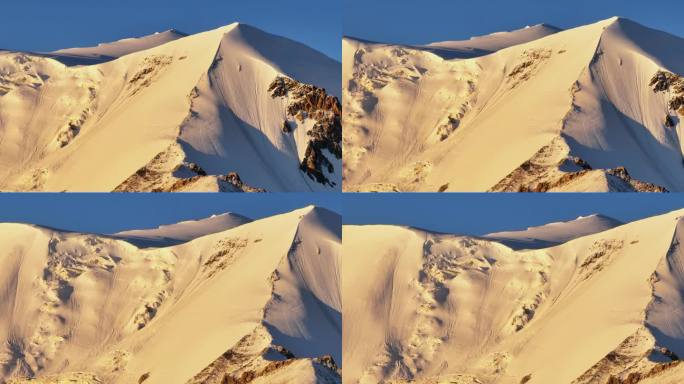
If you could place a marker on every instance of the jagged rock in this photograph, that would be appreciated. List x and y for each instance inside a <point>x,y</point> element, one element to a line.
<point>668,121</point>
<point>196,168</point>
<point>580,162</point>
<point>314,162</point>
<point>328,362</point>
<point>143,377</point>
<point>283,351</point>
<point>309,101</point>
<point>300,116</point>
<point>286,127</point>
<point>446,129</point>
<point>662,81</point>
<point>68,134</point>
<point>667,81</point>
<point>666,352</point>
<point>278,87</point>
<point>234,178</point>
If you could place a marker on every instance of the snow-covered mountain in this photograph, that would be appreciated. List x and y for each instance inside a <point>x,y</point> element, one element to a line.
<point>593,108</point>
<point>177,233</point>
<point>258,303</point>
<point>110,51</point>
<point>550,234</point>
<point>232,109</point>
<point>606,307</point>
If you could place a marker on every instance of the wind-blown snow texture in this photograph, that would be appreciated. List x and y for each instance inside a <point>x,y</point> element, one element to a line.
<point>605,306</point>
<point>169,112</point>
<point>255,303</point>
<point>594,108</point>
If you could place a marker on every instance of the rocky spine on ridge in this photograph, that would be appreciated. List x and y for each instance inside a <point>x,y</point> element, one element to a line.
<point>664,81</point>
<point>309,101</point>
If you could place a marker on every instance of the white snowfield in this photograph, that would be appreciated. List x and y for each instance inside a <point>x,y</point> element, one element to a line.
<point>535,109</point>
<point>172,234</point>
<point>550,234</point>
<point>259,302</point>
<point>606,307</point>
<point>169,112</point>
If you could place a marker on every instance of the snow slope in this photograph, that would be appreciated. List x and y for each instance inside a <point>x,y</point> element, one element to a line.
<point>109,51</point>
<point>258,301</point>
<point>440,308</point>
<point>574,110</point>
<point>177,233</point>
<point>550,234</point>
<point>481,45</point>
<point>195,113</point>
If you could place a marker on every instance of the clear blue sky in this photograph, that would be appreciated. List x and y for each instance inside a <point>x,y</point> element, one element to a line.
<point>417,22</point>
<point>113,212</point>
<point>39,25</point>
<point>479,214</point>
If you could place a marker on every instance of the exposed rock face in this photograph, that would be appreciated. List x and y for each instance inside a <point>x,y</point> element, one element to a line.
<point>310,102</point>
<point>639,186</point>
<point>150,69</point>
<point>286,127</point>
<point>553,169</point>
<point>664,81</point>
<point>196,168</point>
<point>234,179</point>
<point>531,62</point>
<point>668,121</point>
<point>169,172</point>
<point>251,359</point>
<point>444,130</point>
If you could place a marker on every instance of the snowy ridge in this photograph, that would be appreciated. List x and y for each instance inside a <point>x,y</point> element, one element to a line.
<point>181,232</point>
<point>575,110</point>
<point>481,45</point>
<point>110,51</point>
<point>551,234</point>
<point>192,114</point>
<point>439,308</point>
<point>103,310</point>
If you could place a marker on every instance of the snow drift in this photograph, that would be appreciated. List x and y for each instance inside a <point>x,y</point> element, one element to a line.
<point>423,307</point>
<point>169,112</point>
<point>259,303</point>
<point>594,108</point>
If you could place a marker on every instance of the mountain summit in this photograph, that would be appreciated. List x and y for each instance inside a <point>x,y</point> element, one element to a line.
<point>603,307</point>
<point>259,300</point>
<point>593,108</point>
<point>232,109</point>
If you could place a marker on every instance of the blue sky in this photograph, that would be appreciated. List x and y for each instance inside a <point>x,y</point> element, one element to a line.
<point>478,214</point>
<point>444,212</point>
<point>39,25</point>
<point>416,22</point>
<point>113,212</point>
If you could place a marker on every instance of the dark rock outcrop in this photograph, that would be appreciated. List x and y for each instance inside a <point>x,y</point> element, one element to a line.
<point>309,101</point>
<point>234,179</point>
<point>664,81</point>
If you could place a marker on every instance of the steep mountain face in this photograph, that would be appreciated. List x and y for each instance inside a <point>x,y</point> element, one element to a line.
<point>594,108</point>
<point>172,113</point>
<point>438,308</point>
<point>258,303</point>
